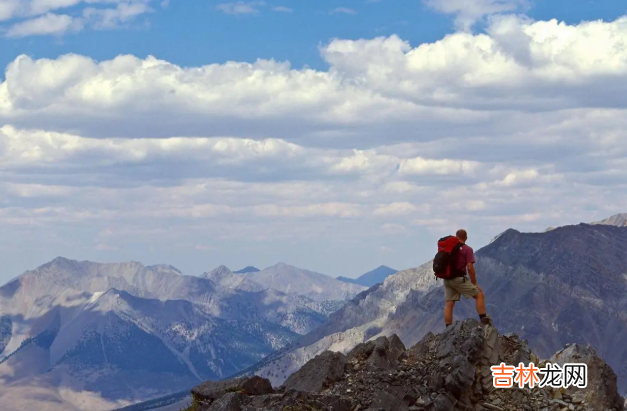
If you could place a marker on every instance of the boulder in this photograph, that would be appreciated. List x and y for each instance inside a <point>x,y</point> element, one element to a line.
<point>210,391</point>
<point>601,389</point>
<point>382,353</point>
<point>317,374</point>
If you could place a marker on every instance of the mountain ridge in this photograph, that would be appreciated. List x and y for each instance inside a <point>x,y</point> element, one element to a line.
<point>376,276</point>
<point>618,220</point>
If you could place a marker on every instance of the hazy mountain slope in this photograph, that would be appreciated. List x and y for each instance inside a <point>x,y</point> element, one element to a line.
<point>62,281</point>
<point>566,285</point>
<point>293,280</point>
<point>127,349</point>
<point>103,325</point>
<point>359,320</point>
<point>248,269</point>
<point>618,220</point>
<point>376,276</point>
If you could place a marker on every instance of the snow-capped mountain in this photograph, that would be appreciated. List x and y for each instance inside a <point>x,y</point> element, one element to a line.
<point>565,285</point>
<point>85,335</point>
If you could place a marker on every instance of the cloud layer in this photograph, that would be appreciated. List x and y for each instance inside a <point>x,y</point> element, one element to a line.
<point>24,18</point>
<point>522,126</point>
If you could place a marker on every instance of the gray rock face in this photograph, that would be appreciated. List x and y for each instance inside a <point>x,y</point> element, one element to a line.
<point>381,353</point>
<point>324,370</point>
<point>449,371</point>
<point>228,402</point>
<point>601,385</point>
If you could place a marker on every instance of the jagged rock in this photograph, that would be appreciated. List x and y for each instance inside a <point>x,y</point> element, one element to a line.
<point>381,353</point>
<point>318,373</point>
<point>257,386</point>
<point>460,377</point>
<point>444,372</point>
<point>228,402</point>
<point>601,387</point>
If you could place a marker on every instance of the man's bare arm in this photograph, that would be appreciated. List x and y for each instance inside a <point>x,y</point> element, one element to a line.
<point>471,273</point>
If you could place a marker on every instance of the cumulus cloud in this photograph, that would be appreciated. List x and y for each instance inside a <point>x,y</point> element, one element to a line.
<point>520,126</point>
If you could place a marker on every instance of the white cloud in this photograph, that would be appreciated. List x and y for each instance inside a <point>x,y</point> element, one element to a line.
<point>240,7</point>
<point>468,12</point>
<point>394,229</point>
<point>113,17</point>
<point>342,10</point>
<point>41,17</point>
<point>44,25</point>
<point>398,209</point>
<point>8,8</point>
<point>522,126</point>
<point>283,9</point>
<point>424,166</point>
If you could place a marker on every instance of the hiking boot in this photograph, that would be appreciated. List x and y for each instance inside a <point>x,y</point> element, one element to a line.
<point>486,320</point>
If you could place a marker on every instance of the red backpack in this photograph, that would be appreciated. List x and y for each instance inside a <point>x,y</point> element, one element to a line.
<point>445,261</point>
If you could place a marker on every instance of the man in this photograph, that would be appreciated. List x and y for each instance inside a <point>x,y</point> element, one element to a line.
<point>454,288</point>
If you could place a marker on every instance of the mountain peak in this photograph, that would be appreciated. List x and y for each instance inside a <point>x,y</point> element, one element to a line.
<point>376,276</point>
<point>247,269</point>
<point>62,261</point>
<point>618,220</point>
<point>218,273</point>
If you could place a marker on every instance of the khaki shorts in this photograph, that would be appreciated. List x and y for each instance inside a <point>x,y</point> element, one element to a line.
<point>456,287</point>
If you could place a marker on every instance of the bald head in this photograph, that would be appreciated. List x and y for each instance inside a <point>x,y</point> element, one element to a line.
<point>462,235</point>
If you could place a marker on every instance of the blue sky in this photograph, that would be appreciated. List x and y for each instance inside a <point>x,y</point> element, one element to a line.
<point>413,119</point>
<point>193,33</point>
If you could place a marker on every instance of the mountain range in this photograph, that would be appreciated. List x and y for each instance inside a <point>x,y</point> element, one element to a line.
<point>376,276</point>
<point>81,335</point>
<point>566,285</point>
<point>78,335</point>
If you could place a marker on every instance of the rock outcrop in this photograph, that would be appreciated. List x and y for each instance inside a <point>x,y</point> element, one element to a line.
<point>445,372</point>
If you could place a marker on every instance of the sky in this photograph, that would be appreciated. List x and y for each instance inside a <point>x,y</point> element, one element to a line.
<point>333,136</point>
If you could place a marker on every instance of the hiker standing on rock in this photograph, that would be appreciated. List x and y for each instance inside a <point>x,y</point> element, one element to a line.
<point>453,259</point>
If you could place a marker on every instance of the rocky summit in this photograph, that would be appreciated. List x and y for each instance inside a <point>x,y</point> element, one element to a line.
<point>449,371</point>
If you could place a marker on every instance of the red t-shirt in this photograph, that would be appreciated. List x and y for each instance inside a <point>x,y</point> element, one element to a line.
<point>465,256</point>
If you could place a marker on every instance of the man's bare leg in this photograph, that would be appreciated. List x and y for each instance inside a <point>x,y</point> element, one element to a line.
<point>448,312</point>
<point>480,303</point>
